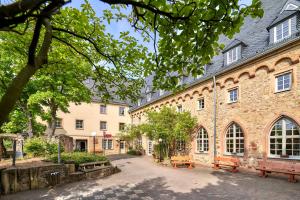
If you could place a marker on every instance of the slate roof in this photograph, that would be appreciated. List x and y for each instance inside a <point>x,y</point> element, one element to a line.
<point>284,15</point>
<point>254,34</point>
<point>234,43</point>
<point>97,96</point>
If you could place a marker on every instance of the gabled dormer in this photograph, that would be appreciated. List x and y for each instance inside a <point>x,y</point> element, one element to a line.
<point>291,5</point>
<point>285,25</point>
<point>148,93</point>
<point>233,52</point>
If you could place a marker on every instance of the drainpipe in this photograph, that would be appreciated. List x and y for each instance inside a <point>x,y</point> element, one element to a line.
<point>215,117</point>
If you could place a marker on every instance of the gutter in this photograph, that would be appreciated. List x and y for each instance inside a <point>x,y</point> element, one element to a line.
<point>267,50</point>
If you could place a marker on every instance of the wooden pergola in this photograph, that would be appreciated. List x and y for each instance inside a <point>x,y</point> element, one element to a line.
<point>9,136</point>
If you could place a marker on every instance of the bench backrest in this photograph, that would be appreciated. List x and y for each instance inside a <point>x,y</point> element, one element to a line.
<point>180,158</point>
<point>276,165</point>
<point>227,159</point>
<point>297,167</point>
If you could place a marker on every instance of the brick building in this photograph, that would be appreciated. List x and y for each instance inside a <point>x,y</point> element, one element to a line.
<point>257,90</point>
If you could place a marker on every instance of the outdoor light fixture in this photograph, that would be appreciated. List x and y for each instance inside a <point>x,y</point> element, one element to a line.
<point>160,143</point>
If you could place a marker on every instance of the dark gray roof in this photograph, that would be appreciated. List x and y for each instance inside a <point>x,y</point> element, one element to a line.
<point>234,43</point>
<point>284,15</point>
<point>97,96</point>
<point>253,33</point>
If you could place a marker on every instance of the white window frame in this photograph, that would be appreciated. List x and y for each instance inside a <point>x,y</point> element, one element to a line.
<point>284,137</point>
<point>149,97</point>
<point>58,123</point>
<point>139,102</point>
<point>200,104</point>
<point>82,125</point>
<point>122,123</point>
<point>105,126</point>
<point>122,111</point>
<point>105,144</point>
<point>105,109</point>
<point>202,141</point>
<point>234,138</point>
<point>231,60</point>
<point>161,92</point>
<point>282,75</point>
<point>179,108</point>
<point>281,24</point>
<point>237,95</point>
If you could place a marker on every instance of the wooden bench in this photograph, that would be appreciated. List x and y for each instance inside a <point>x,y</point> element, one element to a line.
<point>288,168</point>
<point>93,165</point>
<point>226,161</point>
<point>182,160</point>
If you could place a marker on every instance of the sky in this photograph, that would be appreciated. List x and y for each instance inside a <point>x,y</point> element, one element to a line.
<point>116,27</point>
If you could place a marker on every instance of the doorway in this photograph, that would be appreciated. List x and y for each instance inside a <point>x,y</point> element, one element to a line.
<point>150,148</point>
<point>81,145</point>
<point>122,147</point>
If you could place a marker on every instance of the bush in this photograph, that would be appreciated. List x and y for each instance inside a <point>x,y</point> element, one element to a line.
<point>39,146</point>
<point>134,152</point>
<point>78,158</point>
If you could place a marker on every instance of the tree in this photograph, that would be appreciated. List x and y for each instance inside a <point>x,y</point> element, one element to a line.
<point>188,38</point>
<point>169,125</point>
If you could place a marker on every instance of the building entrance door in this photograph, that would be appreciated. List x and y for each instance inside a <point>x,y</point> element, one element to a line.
<point>122,147</point>
<point>81,145</point>
<point>150,147</point>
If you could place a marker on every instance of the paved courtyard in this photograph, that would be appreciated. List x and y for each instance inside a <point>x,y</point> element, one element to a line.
<point>142,179</point>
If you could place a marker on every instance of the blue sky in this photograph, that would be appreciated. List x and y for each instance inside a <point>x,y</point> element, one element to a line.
<point>115,28</point>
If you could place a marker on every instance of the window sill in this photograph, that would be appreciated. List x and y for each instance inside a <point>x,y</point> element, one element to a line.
<point>58,127</point>
<point>281,91</point>
<point>283,158</point>
<point>230,154</point>
<point>202,153</point>
<point>200,109</point>
<point>79,128</point>
<point>232,102</point>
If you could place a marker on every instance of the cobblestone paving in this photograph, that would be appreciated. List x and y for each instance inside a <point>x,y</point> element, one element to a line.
<point>141,179</point>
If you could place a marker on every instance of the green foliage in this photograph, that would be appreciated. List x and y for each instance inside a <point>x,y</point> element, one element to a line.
<point>8,144</point>
<point>78,157</point>
<point>40,146</point>
<point>170,126</point>
<point>134,152</point>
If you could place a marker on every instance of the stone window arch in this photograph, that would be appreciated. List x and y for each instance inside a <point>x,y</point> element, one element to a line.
<point>202,142</point>
<point>284,139</point>
<point>234,140</point>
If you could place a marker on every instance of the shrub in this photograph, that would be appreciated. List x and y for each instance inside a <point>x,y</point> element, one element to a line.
<point>39,146</point>
<point>134,152</point>
<point>78,157</point>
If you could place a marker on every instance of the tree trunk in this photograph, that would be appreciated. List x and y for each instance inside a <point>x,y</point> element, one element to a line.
<point>15,88</point>
<point>30,124</point>
<point>14,91</point>
<point>52,122</point>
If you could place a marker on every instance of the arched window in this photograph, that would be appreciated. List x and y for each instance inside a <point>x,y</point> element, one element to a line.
<point>285,139</point>
<point>234,140</point>
<point>202,141</point>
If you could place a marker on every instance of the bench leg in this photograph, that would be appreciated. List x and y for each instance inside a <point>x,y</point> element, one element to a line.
<point>216,166</point>
<point>263,174</point>
<point>190,166</point>
<point>292,178</point>
<point>234,169</point>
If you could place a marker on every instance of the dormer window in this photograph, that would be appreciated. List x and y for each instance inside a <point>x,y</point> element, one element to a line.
<point>282,30</point>
<point>149,97</point>
<point>161,92</point>
<point>139,102</point>
<point>232,55</point>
